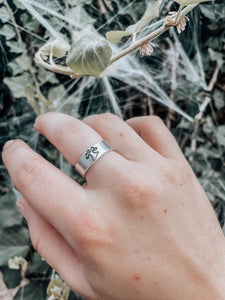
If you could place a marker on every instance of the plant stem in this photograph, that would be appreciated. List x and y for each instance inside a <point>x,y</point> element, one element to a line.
<point>56,69</point>
<point>140,42</point>
<point>213,79</point>
<point>177,15</point>
<point>13,19</point>
<point>153,35</point>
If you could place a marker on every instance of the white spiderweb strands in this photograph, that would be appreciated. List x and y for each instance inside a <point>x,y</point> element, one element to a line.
<point>44,23</point>
<point>128,70</point>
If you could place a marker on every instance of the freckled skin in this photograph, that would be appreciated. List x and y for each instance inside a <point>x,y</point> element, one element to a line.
<point>165,211</point>
<point>98,239</point>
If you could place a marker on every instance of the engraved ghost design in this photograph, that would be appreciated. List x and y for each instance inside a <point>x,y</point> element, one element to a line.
<point>93,153</point>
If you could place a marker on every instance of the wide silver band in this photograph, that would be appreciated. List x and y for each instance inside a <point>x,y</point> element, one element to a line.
<point>90,156</point>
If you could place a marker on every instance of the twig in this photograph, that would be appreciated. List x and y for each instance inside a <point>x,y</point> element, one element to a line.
<point>153,35</point>
<point>178,14</point>
<point>151,108</point>
<point>135,45</point>
<point>173,62</point>
<point>56,69</point>
<point>13,20</point>
<point>140,42</point>
<point>102,6</point>
<point>213,79</point>
<point>197,118</point>
<point>109,5</point>
<point>202,109</point>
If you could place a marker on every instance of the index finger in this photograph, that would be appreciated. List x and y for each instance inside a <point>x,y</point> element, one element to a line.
<point>53,194</point>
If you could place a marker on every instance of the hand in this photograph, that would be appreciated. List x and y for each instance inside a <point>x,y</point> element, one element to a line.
<point>140,228</point>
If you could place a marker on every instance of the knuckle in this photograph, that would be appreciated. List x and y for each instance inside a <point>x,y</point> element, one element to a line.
<point>27,173</point>
<point>65,131</point>
<point>177,172</point>
<point>106,117</point>
<point>169,174</point>
<point>185,171</point>
<point>90,232</point>
<point>139,195</point>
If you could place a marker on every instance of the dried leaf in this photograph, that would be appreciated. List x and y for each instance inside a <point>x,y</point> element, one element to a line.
<point>56,47</point>
<point>18,262</point>
<point>58,288</point>
<point>189,2</point>
<point>116,36</point>
<point>151,13</point>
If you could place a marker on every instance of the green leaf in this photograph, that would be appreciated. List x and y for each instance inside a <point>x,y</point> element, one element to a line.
<point>216,56</point>
<point>116,36</point>
<point>189,2</point>
<point>219,99</point>
<point>4,14</point>
<point>35,290</point>
<point>14,242</point>
<point>12,278</point>
<point>220,134</point>
<point>24,62</point>
<point>10,217</point>
<point>46,76</point>
<point>15,68</point>
<point>16,47</point>
<point>8,31</point>
<point>29,23</point>
<point>79,14</point>
<point>37,265</point>
<point>89,56</point>
<point>17,84</point>
<point>8,201</point>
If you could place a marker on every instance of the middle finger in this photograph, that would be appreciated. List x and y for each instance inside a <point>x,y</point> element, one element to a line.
<point>72,138</point>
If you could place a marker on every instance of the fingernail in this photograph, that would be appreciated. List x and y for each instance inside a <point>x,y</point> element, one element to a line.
<point>7,144</point>
<point>20,205</point>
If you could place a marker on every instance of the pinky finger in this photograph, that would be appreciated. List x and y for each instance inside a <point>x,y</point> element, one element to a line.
<point>55,250</point>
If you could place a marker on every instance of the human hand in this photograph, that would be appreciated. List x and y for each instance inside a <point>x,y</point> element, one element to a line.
<point>140,228</point>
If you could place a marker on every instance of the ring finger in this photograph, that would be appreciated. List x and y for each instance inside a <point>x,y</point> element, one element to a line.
<point>73,137</point>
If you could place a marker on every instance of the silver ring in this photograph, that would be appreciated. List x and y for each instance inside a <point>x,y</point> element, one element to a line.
<point>90,156</point>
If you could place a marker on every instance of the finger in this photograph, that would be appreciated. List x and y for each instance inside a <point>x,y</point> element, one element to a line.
<point>52,193</point>
<point>121,137</point>
<point>153,131</point>
<point>55,250</point>
<point>73,137</point>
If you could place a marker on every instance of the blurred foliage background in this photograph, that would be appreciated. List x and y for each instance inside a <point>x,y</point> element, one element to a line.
<point>183,82</point>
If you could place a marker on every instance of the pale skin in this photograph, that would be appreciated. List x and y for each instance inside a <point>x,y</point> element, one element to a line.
<point>141,227</point>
